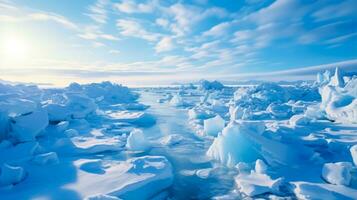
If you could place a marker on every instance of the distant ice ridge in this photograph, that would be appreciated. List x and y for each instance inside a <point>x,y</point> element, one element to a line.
<point>210,85</point>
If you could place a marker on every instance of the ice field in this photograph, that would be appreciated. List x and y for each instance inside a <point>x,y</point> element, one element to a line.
<point>104,141</point>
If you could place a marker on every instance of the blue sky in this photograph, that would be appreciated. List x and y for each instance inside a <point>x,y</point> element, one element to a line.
<point>165,41</point>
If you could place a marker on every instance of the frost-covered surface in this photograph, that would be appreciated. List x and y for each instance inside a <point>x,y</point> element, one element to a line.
<point>106,141</point>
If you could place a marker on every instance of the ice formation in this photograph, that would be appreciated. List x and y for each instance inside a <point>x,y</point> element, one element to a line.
<point>11,175</point>
<point>339,99</point>
<point>353,151</point>
<point>266,140</point>
<point>137,141</point>
<point>213,125</point>
<point>207,85</point>
<point>337,173</point>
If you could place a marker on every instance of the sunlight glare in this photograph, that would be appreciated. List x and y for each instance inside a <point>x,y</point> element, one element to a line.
<point>14,48</point>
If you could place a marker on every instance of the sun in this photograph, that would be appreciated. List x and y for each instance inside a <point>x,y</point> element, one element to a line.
<point>14,48</point>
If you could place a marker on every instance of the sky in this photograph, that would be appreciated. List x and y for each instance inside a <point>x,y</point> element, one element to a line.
<point>160,42</point>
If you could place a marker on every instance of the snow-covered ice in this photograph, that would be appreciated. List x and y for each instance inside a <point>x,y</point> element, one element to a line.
<point>108,141</point>
<point>137,141</point>
<point>213,125</point>
<point>337,173</point>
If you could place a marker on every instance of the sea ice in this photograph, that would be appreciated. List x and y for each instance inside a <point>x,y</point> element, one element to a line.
<point>256,183</point>
<point>177,101</point>
<point>27,127</point>
<point>213,125</point>
<point>337,173</point>
<point>137,141</point>
<point>199,112</point>
<point>102,197</point>
<point>244,141</point>
<point>353,151</point>
<point>207,85</point>
<point>141,119</point>
<point>299,120</point>
<point>57,112</point>
<point>260,167</point>
<point>313,191</point>
<point>49,158</point>
<point>233,145</point>
<point>339,101</point>
<point>80,105</point>
<point>11,175</point>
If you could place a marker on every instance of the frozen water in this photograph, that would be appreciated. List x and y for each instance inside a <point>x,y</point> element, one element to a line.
<point>353,151</point>
<point>27,127</point>
<point>11,175</point>
<point>311,191</point>
<point>137,141</point>
<point>46,158</point>
<point>256,183</point>
<point>207,85</point>
<point>337,173</point>
<point>213,125</point>
<point>294,141</point>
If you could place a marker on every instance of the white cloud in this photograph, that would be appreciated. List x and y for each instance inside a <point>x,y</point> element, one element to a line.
<point>113,51</point>
<point>218,30</point>
<point>129,6</point>
<point>162,22</point>
<point>41,16</point>
<point>132,28</point>
<point>98,44</point>
<point>165,44</point>
<point>342,9</point>
<point>186,16</point>
<point>94,33</point>
<point>98,11</point>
